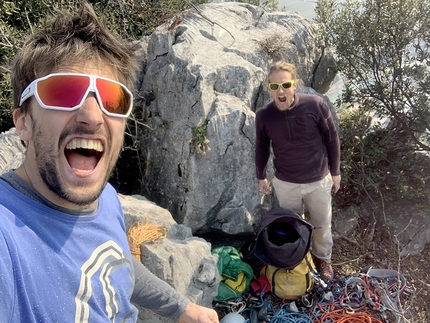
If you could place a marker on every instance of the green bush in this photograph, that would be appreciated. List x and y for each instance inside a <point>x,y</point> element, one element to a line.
<point>377,161</point>
<point>382,50</point>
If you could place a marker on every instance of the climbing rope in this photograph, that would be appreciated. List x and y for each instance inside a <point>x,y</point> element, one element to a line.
<point>335,313</point>
<point>139,233</point>
<point>283,315</point>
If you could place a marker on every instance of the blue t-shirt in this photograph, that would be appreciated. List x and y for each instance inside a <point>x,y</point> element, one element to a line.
<point>58,267</point>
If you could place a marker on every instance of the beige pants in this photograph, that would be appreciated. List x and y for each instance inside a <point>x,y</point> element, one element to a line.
<point>316,198</point>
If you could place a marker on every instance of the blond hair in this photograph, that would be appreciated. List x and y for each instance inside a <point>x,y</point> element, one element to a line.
<point>283,66</point>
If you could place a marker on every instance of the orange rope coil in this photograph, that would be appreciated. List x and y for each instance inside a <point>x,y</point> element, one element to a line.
<point>333,313</point>
<point>139,233</point>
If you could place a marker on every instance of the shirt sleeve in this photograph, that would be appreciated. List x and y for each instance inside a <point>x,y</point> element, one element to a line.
<point>262,147</point>
<point>331,139</point>
<point>154,294</point>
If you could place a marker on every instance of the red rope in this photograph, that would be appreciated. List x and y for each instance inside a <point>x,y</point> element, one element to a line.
<point>333,313</point>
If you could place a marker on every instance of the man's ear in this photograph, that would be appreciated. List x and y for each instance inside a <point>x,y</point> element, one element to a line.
<point>23,123</point>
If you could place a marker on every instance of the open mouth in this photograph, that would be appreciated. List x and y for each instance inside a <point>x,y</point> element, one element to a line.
<point>282,99</point>
<point>83,155</point>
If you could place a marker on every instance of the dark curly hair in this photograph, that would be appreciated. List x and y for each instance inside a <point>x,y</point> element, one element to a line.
<point>69,39</point>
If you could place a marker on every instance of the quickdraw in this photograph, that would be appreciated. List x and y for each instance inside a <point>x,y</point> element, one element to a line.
<point>381,289</point>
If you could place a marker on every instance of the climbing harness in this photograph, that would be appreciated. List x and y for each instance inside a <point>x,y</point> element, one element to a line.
<point>379,289</point>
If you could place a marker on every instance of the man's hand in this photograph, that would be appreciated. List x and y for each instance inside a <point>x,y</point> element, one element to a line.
<point>198,314</point>
<point>264,186</point>
<point>336,183</point>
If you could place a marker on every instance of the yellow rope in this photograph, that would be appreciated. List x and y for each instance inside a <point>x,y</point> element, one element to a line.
<point>139,233</point>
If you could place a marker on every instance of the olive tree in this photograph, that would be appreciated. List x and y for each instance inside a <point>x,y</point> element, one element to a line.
<point>382,49</point>
<point>382,52</point>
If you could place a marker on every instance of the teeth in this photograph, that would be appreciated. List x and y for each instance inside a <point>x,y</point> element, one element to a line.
<point>85,144</point>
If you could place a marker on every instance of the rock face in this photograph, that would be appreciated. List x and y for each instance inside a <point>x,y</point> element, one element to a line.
<point>183,261</point>
<point>12,151</point>
<point>206,76</point>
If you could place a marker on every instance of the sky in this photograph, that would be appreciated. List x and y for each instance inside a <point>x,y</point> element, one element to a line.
<point>304,7</point>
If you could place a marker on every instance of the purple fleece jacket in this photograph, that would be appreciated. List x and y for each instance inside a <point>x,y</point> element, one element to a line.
<point>304,140</point>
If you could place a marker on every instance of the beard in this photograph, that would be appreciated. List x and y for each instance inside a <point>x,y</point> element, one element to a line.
<point>47,165</point>
<point>283,108</point>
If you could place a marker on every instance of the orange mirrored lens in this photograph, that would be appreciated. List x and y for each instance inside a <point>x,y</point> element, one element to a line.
<point>63,91</point>
<point>114,97</point>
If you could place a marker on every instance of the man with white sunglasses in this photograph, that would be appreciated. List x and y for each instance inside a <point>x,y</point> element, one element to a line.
<point>63,246</point>
<point>301,131</point>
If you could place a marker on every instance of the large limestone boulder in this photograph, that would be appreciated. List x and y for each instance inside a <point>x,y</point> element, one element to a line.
<point>206,76</point>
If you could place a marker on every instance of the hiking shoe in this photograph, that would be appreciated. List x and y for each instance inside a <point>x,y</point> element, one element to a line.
<point>325,269</point>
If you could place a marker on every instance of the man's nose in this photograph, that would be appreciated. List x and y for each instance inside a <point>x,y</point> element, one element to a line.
<point>90,112</point>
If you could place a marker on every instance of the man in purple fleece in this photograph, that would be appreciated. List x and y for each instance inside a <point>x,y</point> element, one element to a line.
<point>301,131</point>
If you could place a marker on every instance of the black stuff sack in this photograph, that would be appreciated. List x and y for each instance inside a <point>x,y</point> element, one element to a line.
<point>283,243</point>
<point>283,239</point>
